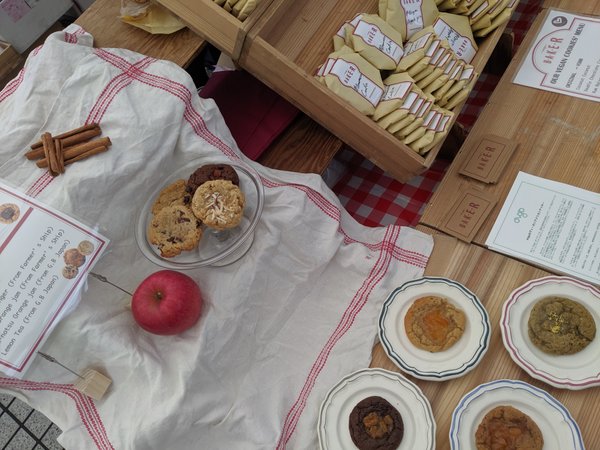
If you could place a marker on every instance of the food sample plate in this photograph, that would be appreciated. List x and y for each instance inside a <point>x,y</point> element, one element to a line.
<point>215,248</point>
<point>558,428</point>
<point>454,362</point>
<point>577,371</point>
<point>405,396</point>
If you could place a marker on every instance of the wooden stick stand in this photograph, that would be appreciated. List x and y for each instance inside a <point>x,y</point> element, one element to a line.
<point>93,384</point>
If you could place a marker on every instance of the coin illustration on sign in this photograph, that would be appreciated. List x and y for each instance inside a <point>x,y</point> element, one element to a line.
<point>559,21</point>
<point>9,213</point>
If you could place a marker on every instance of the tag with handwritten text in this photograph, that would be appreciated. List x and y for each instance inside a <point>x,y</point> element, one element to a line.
<point>44,256</point>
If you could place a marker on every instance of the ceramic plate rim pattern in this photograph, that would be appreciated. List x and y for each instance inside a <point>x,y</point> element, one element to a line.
<point>533,367</point>
<point>149,251</point>
<point>465,366</point>
<point>511,386</point>
<point>395,380</point>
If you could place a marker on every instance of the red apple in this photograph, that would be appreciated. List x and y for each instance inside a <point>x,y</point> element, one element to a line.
<point>167,302</point>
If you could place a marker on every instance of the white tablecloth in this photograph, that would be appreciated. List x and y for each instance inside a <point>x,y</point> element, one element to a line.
<point>279,327</point>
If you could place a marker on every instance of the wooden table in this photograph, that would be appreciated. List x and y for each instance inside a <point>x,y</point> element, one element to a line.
<point>558,136</point>
<point>492,277</point>
<point>304,146</point>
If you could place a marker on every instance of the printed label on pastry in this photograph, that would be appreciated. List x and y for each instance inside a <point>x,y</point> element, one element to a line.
<point>374,37</point>
<point>414,15</point>
<point>396,91</point>
<point>461,45</point>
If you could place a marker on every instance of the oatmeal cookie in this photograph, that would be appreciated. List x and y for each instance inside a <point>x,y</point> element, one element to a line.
<point>9,213</point>
<point>375,425</point>
<point>219,204</point>
<point>560,326</point>
<point>507,428</point>
<point>211,172</point>
<point>173,230</point>
<point>173,194</point>
<point>434,324</point>
<point>73,257</point>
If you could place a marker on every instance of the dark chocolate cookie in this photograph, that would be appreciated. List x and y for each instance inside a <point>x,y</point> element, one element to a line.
<point>211,172</point>
<point>376,425</point>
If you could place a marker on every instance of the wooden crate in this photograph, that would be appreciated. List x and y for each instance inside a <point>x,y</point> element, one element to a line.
<point>292,38</point>
<point>214,24</point>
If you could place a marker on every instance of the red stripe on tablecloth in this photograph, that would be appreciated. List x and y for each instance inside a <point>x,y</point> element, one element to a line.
<point>84,405</point>
<point>360,299</point>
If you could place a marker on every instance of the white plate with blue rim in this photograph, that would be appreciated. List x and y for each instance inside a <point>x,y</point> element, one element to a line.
<point>414,408</point>
<point>559,429</point>
<point>454,362</point>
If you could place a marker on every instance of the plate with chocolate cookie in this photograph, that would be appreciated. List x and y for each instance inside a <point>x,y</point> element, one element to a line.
<point>549,329</point>
<point>434,328</point>
<point>512,414</point>
<point>376,409</point>
<point>204,214</point>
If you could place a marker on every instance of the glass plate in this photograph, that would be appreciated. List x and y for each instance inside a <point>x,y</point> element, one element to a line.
<point>216,248</point>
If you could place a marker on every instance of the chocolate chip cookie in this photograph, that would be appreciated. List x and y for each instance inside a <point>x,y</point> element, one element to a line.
<point>173,230</point>
<point>507,428</point>
<point>434,324</point>
<point>560,326</point>
<point>173,194</point>
<point>219,204</point>
<point>376,425</point>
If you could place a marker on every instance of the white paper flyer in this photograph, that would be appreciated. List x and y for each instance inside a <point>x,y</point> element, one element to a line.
<point>551,224</point>
<point>564,57</point>
<point>45,256</point>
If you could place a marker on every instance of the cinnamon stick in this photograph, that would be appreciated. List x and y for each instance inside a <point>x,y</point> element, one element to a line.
<point>48,147</point>
<point>70,139</point>
<point>60,159</point>
<point>69,133</point>
<point>87,154</point>
<point>76,150</point>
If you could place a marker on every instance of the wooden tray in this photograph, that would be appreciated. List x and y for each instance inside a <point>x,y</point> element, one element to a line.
<point>214,24</point>
<point>285,47</point>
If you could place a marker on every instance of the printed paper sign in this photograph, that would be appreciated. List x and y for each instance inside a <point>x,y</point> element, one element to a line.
<point>564,57</point>
<point>553,225</point>
<point>45,256</point>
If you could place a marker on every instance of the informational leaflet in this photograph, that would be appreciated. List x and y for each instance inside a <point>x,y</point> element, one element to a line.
<point>564,57</point>
<point>45,256</point>
<point>550,224</point>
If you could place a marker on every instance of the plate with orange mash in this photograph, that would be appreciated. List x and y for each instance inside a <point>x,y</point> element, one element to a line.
<point>434,328</point>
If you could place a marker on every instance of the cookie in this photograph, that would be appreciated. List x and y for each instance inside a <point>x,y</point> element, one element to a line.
<point>507,428</point>
<point>560,326</point>
<point>211,172</point>
<point>85,248</point>
<point>173,194</point>
<point>73,257</point>
<point>219,204</point>
<point>374,424</point>
<point>70,272</point>
<point>9,213</point>
<point>173,230</point>
<point>434,324</point>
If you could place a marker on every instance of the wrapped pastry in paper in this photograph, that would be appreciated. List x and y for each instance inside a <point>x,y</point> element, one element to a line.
<point>408,17</point>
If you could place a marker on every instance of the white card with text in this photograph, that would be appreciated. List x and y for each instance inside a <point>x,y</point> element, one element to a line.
<point>564,57</point>
<point>550,224</point>
<point>45,257</point>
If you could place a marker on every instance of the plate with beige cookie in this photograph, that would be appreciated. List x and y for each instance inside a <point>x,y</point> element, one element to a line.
<point>549,329</point>
<point>512,414</point>
<point>204,214</point>
<point>434,328</point>
<point>376,409</point>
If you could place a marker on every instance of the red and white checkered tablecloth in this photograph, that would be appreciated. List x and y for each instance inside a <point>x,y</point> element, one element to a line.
<point>374,198</point>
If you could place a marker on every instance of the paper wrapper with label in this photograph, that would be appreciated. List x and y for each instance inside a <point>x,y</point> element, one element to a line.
<point>149,16</point>
<point>279,326</point>
<point>408,17</point>
<point>377,42</point>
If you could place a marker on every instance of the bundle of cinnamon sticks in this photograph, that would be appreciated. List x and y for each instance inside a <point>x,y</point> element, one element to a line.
<point>56,152</point>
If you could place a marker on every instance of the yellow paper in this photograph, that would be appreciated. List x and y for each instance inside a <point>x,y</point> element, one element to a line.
<point>158,20</point>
